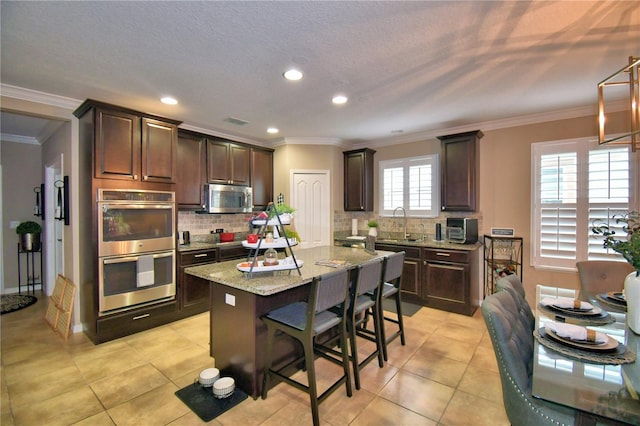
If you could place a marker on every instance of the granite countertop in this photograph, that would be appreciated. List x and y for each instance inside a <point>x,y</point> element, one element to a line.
<point>426,243</point>
<point>267,283</point>
<point>194,245</point>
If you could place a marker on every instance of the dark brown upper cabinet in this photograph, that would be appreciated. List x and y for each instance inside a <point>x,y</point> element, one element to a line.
<point>129,145</point>
<point>358,180</point>
<point>261,176</point>
<point>191,170</point>
<point>228,163</point>
<point>460,171</point>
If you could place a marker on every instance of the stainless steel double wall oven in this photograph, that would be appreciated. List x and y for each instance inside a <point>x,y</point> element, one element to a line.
<point>136,248</point>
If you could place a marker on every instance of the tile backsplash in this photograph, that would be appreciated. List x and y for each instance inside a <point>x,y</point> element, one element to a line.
<point>200,225</point>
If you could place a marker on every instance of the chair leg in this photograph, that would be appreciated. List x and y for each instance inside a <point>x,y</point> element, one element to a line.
<point>309,359</point>
<point>354,353</point>
<point>383,336</point>
<point>400,320</point>
<point>267,363</point>
<point>345,358</point>
<point>378,324</point>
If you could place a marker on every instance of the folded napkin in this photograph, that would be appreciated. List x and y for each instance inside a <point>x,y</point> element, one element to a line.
<point>566,303</point>
<point>576,333</point>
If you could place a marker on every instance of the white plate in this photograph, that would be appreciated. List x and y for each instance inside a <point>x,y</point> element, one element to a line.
<point>610,344</point>
<point>283,265</point>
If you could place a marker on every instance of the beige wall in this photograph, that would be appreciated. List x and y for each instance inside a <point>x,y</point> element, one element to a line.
<point>21,172</point>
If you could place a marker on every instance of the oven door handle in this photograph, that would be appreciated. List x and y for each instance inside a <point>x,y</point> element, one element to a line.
<point>159,255</point>
<point>121,260</point>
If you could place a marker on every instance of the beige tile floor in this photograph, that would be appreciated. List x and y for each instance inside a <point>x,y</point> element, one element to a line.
<point>445,375</point>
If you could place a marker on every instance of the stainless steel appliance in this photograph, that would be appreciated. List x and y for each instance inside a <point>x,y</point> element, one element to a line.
<point>227,199</point>
<point>462,230</point>
<point>136,248</point>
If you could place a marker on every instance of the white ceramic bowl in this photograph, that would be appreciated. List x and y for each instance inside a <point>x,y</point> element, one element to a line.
<point>209,376</point>
<point>223,387</point>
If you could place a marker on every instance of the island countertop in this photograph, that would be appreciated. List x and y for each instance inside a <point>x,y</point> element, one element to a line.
<point>268,283</point>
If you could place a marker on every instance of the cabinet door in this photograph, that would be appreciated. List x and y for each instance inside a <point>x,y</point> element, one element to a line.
<point>117,150</point>
<point>159,147</point>
<point>460,171</point>
<point>358,180</point>
<point>411,283</point>
<point>240,159</point>
<point>218,165</point>
<point>447,286</point>
<point>194,292</point>
<point>191,171</point>
<point>261,177</point>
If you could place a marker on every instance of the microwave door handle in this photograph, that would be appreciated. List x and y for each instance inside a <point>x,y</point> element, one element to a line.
<point>121,260</point>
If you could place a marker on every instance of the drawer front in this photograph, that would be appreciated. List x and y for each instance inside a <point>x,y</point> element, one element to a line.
<point>196,257</point>
<point>234,252</point>
<point>410,252</point>
<point>456,256</point>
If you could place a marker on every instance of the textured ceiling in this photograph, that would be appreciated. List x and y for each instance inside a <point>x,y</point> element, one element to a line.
<point>406,66</point>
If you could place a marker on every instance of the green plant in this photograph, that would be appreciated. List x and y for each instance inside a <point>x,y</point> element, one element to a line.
<point>281,209</point>
<point>290,233</point>
<point>372,224</point>
<point>629,246</point>
<point>28,227</point>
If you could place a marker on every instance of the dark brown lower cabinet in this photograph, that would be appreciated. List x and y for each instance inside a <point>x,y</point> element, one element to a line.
<point>444,279</point>
<point>193,292</point>
<point>451,280</point>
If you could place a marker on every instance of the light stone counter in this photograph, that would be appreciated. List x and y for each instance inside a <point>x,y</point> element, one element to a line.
<point>269,283</point>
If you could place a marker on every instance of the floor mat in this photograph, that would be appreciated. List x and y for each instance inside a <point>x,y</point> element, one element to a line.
<point>202,402</point>
<point>408,309</point>
<point>14,302</point>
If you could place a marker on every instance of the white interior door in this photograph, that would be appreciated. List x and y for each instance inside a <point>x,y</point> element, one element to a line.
<point>53,244</point>
<point>310,195</point>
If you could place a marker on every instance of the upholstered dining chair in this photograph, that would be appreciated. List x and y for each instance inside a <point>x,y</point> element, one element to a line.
<point>304,321</point>
<point>512,339</point>
<point>517,292</point>
<point>601,276</point>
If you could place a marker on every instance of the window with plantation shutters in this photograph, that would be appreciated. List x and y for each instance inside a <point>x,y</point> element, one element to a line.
<point>410,183</point>
<point>574,183</point>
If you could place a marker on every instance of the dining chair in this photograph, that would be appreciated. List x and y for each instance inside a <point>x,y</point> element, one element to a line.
<point>367,282</point>
<point>304,321</point>
<point>512,340</point>
<point>601,276</point>
<point>515,282</point>
<point>392,279</point>
<point>517,292</point>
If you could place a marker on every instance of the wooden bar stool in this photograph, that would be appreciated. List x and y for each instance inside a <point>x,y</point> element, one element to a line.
<point>306,320</point>
<point>392,280</point>
<point>367,283</point>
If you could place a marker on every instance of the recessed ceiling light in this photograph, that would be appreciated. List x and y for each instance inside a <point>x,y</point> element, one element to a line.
<point>169,100</point>
<point>292,74</point>
<point>339,99</point>
<point>272,130</point>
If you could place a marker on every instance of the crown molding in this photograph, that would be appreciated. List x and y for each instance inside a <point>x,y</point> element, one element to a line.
<point>6,137</point>
<point>220,134</point>
<point>39,97</point>
<point>310,141</point>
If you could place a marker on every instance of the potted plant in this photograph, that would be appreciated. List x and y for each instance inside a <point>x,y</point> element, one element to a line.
<point>373,228</point>
<point>29,233</point>
<point>629,248</point>
<point>284,211</point>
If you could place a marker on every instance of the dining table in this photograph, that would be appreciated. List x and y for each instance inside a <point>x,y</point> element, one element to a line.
<point>600,380</point>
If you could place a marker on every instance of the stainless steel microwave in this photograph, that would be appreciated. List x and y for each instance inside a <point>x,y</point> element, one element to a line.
<point>227,199</point>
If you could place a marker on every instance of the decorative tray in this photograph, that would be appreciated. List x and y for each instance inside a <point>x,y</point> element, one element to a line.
<point>277,243</point>
<point>272,222</point>
<point>283,265</point>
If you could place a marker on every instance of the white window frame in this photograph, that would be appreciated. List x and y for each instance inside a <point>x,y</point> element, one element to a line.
<point>405,163</point>
<point>575,241</point>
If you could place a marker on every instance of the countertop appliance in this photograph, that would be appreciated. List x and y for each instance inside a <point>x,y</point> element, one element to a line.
<point>227,199</point>
<point>462,230</point>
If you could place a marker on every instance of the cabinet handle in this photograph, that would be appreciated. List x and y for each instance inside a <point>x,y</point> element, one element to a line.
<point>442,254</point>
<point>141,316</point>
<point>201,255</point>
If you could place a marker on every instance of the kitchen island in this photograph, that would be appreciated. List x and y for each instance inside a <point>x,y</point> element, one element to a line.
<point>238,336</point>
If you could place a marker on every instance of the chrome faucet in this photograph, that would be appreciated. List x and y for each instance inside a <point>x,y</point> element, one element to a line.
<point>404,215</point>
